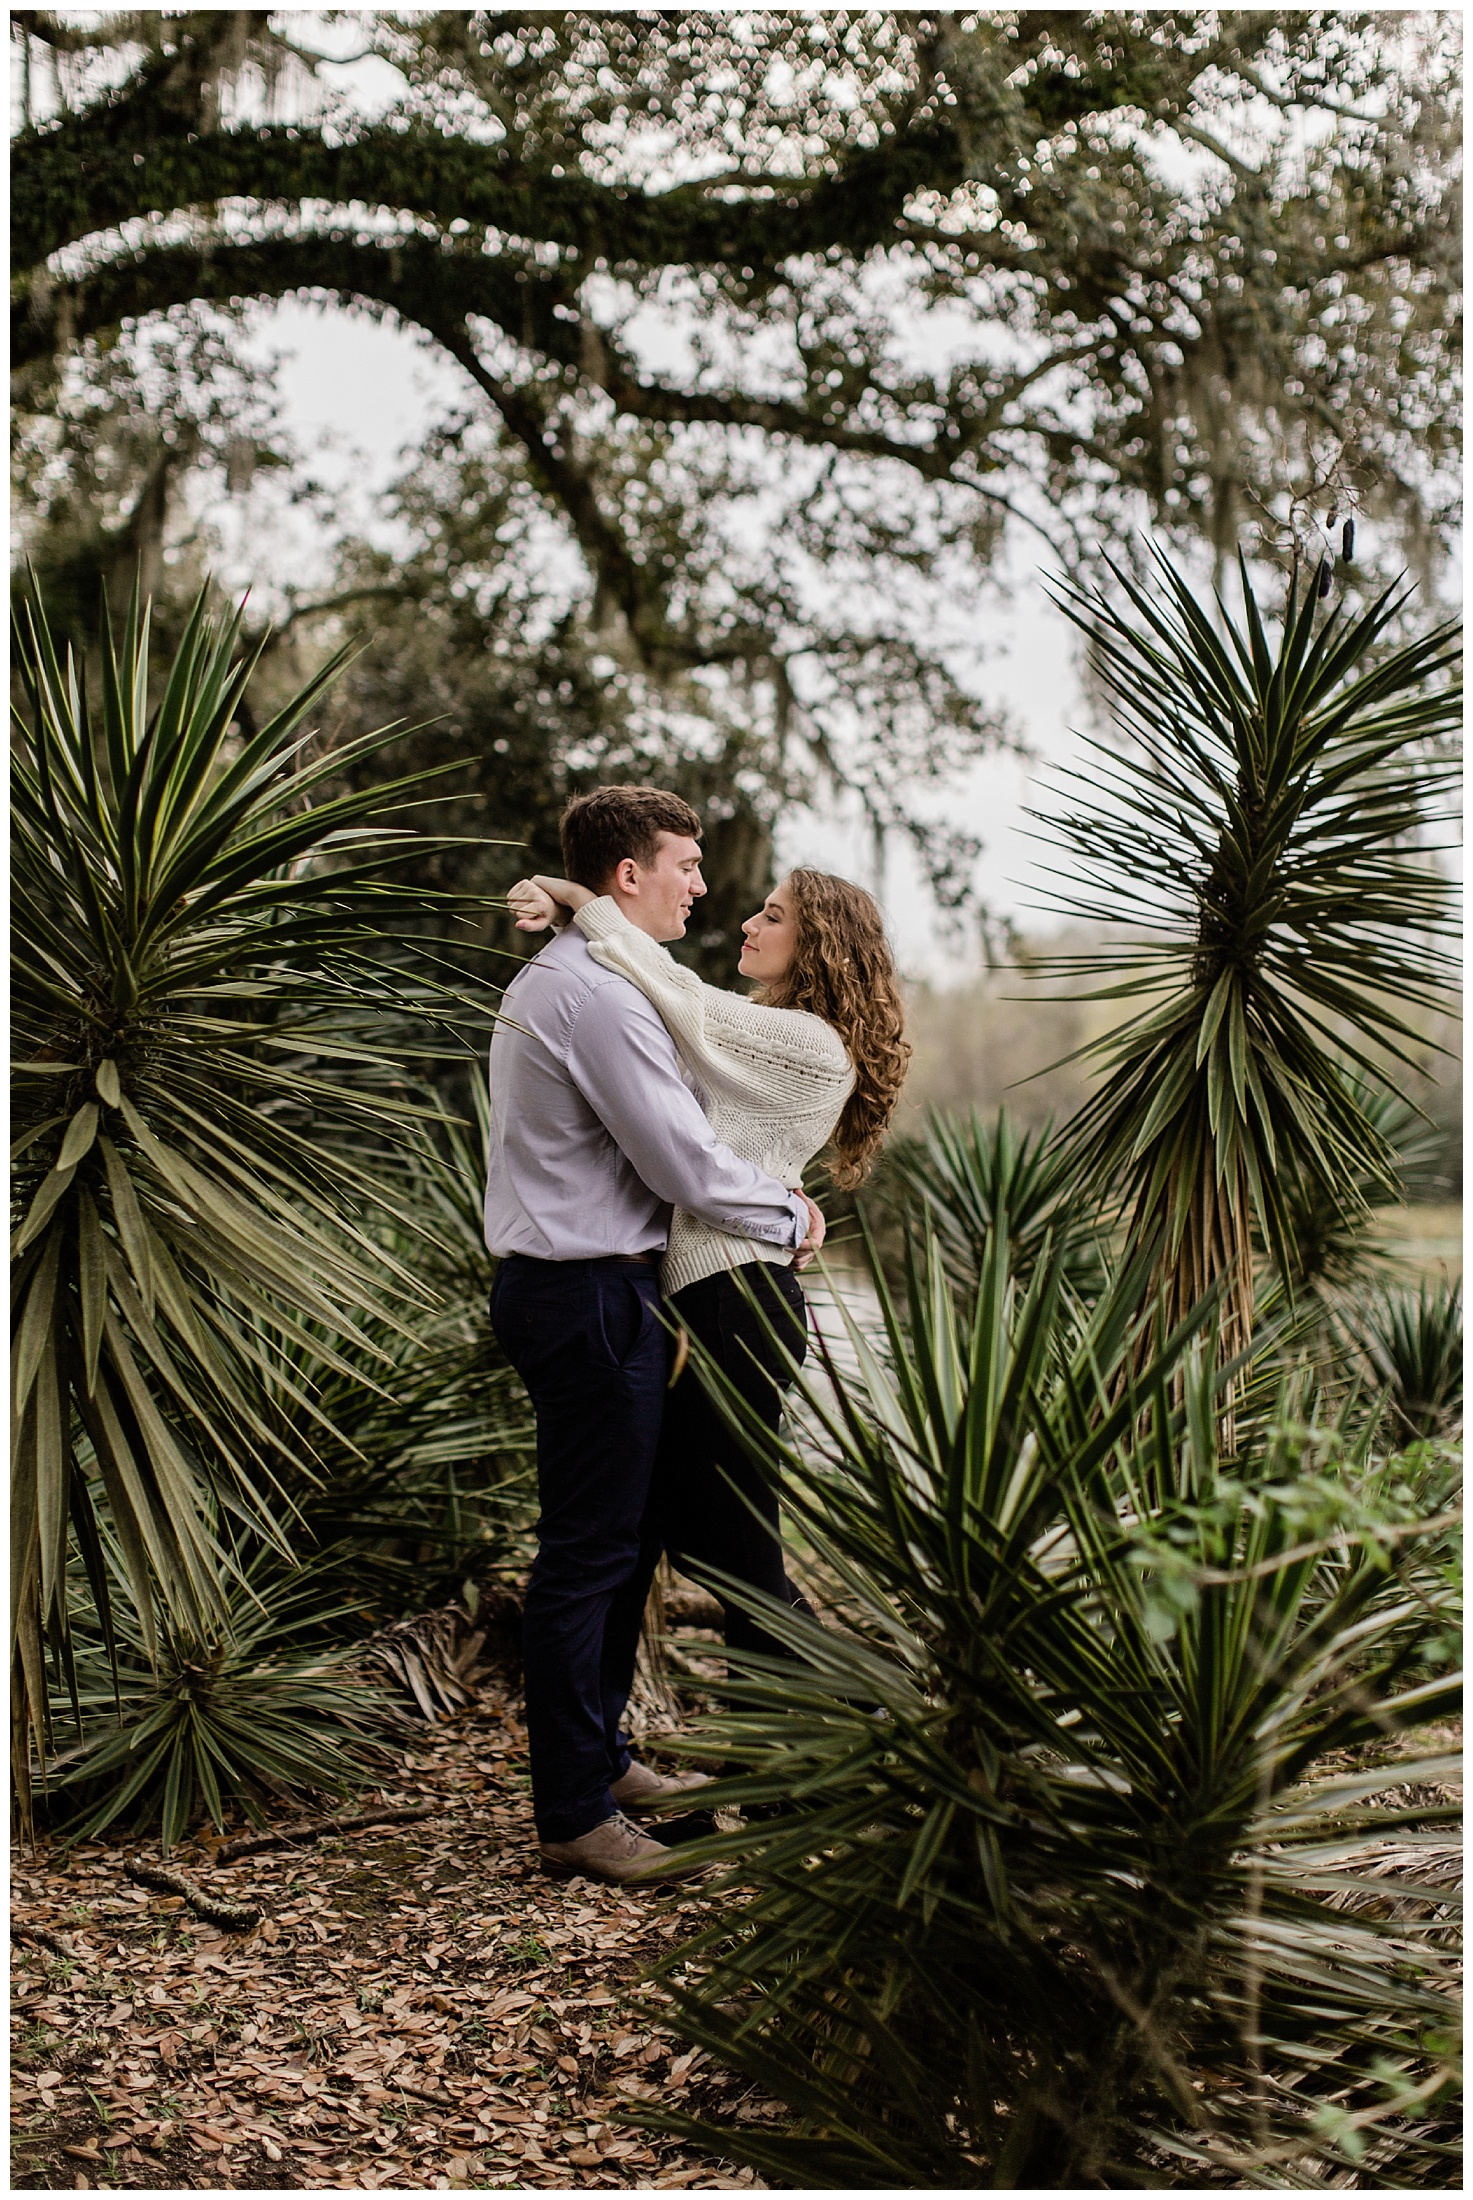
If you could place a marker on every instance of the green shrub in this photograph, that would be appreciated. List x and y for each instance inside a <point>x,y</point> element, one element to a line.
<point>1253,837</point>
<point>1411,1343</point>
<point>1333,1241</point>
<point>211,1029</point>
<point>241,1712</point>
<point>1076,1786</point>
<point>961,1174</point>
<point>405,1450</point>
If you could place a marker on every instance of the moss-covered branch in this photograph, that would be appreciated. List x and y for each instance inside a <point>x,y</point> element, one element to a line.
<point>76,180</point>
<point>438,288</point>
<point>149,147</point>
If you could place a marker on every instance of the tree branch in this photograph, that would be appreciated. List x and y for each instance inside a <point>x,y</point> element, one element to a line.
<point>557,472</point>
<point>621,575</point>
<point>403,591</point>
<point>1198,136</point>
<point>140,149</point>
<point>135,157</point>
<point>439,290</point>
<point>1289,100</point>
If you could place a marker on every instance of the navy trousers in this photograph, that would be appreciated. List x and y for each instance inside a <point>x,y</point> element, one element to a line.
<point>586,1339</point>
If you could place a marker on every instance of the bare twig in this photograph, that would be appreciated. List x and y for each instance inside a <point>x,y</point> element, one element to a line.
<point>286,1837</point>
<point>417,2093</point>
<point>232,1917</point>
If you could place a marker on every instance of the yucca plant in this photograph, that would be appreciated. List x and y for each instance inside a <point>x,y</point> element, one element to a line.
<point>1261,829</point>
<point>1335,1248</point>
<point>959,1174</point>
<point>423,1474</point>
<point>209,1027</point>
<point>1411,1346</point>
<point>1075,1777</point>
<point>242,1711</point>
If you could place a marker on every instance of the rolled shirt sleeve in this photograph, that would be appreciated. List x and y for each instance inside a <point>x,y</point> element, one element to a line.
<point>623,1061</point>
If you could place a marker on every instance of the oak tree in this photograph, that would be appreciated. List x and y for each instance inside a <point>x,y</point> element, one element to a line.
<point>794,319</point>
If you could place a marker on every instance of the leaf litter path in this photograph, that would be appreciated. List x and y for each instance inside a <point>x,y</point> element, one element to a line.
<point>420,2007</point>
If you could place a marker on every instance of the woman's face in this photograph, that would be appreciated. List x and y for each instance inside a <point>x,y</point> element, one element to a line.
<point>770,938</point>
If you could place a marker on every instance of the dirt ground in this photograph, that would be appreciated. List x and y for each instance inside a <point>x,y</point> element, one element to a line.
<point>420,2007</point>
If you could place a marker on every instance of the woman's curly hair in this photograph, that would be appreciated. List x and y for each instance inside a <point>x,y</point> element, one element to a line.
<point>843,971</point>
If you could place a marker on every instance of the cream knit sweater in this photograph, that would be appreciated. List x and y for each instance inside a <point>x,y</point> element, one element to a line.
<point>773,1081</point>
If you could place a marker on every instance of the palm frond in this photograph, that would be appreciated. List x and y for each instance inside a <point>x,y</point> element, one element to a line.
<point>1333,1242</point>
<point>241,1713</point>
<point>1411,1344</point>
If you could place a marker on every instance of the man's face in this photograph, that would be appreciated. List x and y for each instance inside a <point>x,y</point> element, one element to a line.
<point>658,896</point>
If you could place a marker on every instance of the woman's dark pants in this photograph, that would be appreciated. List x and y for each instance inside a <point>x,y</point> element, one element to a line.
<point>711,1506</point>
<point>586,1338</point>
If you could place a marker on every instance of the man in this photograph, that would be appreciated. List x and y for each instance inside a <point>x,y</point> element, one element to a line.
<point>594,1138</point>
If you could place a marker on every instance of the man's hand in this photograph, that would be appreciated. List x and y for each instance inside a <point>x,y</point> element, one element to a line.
<point>816,1228</point>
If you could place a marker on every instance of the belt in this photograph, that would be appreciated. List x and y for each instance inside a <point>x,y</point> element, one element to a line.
<point>591,1260</point>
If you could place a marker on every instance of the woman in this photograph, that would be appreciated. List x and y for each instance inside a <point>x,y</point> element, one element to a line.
<point>816,1054</point>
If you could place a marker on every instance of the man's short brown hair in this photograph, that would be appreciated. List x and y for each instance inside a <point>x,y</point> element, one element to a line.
<point>600,829</point>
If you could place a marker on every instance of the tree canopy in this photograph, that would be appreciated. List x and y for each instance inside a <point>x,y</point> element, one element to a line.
<point>868,289</point>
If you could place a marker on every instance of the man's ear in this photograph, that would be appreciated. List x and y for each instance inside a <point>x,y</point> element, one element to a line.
<point>625,876</point>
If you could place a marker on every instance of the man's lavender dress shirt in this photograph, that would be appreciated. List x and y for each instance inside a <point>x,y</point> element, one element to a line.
<point>594,1134</point>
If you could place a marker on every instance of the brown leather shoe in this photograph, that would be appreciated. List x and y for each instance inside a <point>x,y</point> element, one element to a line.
<point>642,1791</point>
<point>618,1852</point>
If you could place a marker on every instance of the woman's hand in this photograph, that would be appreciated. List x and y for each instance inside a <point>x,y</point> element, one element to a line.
<point>564,892</point>
<point>817,1229</point>
<point>534,909</point>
